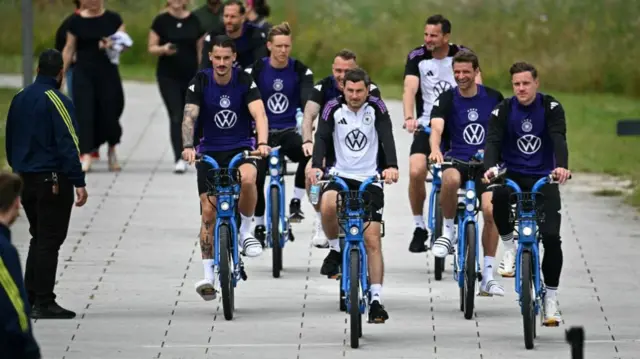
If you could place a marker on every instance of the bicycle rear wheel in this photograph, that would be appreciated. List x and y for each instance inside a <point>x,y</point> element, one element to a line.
<point>438,263</point>
<point>276,250</point>
<point>527,299</point>
<point>354,297</point>
<point>226,271</point>
<point>469,286</point>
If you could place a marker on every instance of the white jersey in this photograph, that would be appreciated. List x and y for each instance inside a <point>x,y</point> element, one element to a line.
<point>436,77</point>
<point>357,137</point>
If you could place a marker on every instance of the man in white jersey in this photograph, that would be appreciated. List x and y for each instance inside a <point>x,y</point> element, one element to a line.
<point>428,73</point>
<point>355,135</point>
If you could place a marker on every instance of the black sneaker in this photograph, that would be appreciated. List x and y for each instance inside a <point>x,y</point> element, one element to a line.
<point>331,264</point>
<point>260,234</point>
<point>377,314</point>
<point>51,311</point>
<point>295,212</point>
<point>420,236</point>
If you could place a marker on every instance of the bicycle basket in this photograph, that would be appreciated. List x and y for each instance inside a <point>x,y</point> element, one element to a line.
<point>529,206</point>
<point>349,202</point>
<point>221,180</point>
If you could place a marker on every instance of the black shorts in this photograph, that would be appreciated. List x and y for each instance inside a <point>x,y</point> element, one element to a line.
<point>223,158</point>
<point>290,143</point>
<point>420,143</point>
<point>464,177</point>
<point>373,196</point>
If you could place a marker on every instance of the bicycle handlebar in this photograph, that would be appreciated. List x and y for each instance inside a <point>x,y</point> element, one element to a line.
<point>234,161</point>
<point>363,186</point>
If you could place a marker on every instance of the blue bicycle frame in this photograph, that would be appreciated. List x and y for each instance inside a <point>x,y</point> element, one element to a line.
<point>276,179</point>
<point>226,204</point>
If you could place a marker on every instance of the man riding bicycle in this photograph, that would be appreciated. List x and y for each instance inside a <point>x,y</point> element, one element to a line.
<point>427,74</point>
<point>224,101</point>
<point>528,132</point>
<point>325,90</point>
<point>355,135</point>
<point>286,84</point>
<point>463,113</point>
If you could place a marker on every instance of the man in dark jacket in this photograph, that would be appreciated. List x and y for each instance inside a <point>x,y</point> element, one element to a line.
<point>16,336</point>
<point>250,40</point>
<point>42,147</point>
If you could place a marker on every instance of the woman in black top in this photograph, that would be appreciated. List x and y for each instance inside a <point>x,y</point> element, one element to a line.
<point>176,38</point>
<point>98,93</point>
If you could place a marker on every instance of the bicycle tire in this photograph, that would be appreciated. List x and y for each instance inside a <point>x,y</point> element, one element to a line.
<point>354,297</point>
<point>438,263</point>
<point>226,272</point>
<point>527,299</point>
<point>276,249</point>
<point>343,296</point>
<point>470,277</point>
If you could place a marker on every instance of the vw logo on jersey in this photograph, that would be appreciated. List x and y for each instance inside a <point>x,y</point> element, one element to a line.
<point>440,87</point>
<point>225,102</point>
<point>225,119</point>
<point>529,144</point>
<point>278,85</point>
<point>527,126</point>
<point>278,103</point>
<point>356,140</point>
<point>473,134</point>
<point>472,114</point>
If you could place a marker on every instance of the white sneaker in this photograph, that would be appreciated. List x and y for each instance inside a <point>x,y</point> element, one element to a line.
<point>181,166</point>
<point>507,266</point>
<point>491,288</point>
<point>552,317</point>
<point>319,239</point>
<point>206,290</point>
<point>444,246</point>
<point>251,247</point>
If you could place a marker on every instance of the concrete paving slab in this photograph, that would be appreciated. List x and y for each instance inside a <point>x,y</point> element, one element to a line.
<point>131,259</point>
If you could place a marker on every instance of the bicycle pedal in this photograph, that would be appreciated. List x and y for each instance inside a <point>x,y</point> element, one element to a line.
<point>335,276</point>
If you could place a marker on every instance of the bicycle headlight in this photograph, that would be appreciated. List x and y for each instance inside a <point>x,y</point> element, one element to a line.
<point>471,194</point>
<point>527,231</point>
<point>471,207</point>
<point>274,160</point>
<point>354,230</point>
<point>224,206</point>
<point>273,172</point>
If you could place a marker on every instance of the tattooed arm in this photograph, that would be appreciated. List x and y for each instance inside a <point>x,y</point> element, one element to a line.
<point>191,112</point>
<point>311,111</point>
<point>189,120</point>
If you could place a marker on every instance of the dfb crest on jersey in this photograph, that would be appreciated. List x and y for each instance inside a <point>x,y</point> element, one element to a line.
<point>472,114</point>
<point>278,85</point>
<point>225,102</point>
<point>440,87</point>
<point>367,119</point>
<point>527,126</point>
<point>356,140</point>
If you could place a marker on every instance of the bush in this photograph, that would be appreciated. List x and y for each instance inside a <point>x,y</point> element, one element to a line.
<point>585,46</point>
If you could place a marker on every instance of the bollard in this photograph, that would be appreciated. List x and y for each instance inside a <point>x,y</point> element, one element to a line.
<point>575,337</point>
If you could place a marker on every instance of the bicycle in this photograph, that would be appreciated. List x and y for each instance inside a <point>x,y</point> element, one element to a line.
<point>225,187</point>
<point>466,255</point>
<point>354,283</point>
<point>528,215</point>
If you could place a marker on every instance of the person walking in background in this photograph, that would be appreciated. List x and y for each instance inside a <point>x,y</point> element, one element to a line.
<point>257,14</point>
<point>210,16</point>
<point>176,37</point>
<point>98,92</point>
<point>61,39</point>
<point>16,330</point>
<point>42,147</point>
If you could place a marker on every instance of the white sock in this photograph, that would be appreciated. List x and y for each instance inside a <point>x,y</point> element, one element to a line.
<point>507,241</point>
<point>259,220</point>
<point>246,224</point>
<point>208,269</point>
<point>447,228</point>
<point>298,193</point>
<point>319,216</point>
<point>487,273</point>
<point>335,244</point>
<point>552,293</point>
<point>419,222</point>
<point>376,291</point>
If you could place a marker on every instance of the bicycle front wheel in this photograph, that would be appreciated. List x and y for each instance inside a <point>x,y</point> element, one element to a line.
<point>527,299</point>
<point>226,271</point>
<point>354,297</point>
<point>276,250</point>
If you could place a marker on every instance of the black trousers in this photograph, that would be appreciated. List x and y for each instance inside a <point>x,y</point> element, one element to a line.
<point>173,92</point>
<point>549,228</point>
<point>98,98</point>
<point>291,143</point>
<point>48,216</point>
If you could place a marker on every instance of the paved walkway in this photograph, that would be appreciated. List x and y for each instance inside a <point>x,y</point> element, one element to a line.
<point>131,259</point>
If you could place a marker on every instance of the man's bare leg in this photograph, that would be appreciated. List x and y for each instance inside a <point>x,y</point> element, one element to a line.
<point>330,226</point>
<point>448,200</point>
<point>373,243</point>
<point>205,287</point>
<point>319,238</point>
<point>417,196</point>
<point>246,206</point>
<point>489,286</point>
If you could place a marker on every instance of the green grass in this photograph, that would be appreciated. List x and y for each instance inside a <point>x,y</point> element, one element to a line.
<point>6,95</point>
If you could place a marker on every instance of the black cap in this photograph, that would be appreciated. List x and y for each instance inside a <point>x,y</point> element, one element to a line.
<point>50,63</point>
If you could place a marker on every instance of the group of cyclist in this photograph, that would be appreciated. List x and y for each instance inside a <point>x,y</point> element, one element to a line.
<point>234,109</point>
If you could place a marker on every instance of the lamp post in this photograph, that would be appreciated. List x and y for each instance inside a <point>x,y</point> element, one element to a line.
<point>27,42</point>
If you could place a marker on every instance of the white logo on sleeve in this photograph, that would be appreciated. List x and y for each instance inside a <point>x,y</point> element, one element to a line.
<point>318,87</point>
<point>308,72</point>
<point>192,88</point>
<point>529,144</point>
